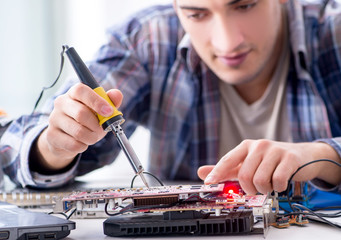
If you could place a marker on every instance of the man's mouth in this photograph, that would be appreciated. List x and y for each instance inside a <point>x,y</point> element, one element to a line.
<point>233,61</point>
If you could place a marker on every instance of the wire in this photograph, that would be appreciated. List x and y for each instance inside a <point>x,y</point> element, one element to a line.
<point>138,208</point>
<point>55,81</point>
<point>297,208</point>
<point>73,211</point>
<point>61,213</point>
<point>150,174</point>
<point>298,169</point>
<point>64,213</point>
<point>318,216</point>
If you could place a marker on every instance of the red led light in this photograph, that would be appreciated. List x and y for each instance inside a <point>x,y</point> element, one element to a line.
<point>232,187</point>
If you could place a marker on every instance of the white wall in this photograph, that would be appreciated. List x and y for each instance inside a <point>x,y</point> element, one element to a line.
<point>32,33</point>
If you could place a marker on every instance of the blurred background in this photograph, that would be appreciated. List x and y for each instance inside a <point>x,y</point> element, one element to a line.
<point>33,32</point>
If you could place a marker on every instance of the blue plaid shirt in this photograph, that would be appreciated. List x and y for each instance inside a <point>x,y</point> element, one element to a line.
<point>170,91</point>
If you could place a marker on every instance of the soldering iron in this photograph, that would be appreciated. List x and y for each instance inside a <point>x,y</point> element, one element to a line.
<point>112,123</point>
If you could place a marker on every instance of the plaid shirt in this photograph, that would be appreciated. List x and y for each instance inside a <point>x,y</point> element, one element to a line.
<point>170,91</point>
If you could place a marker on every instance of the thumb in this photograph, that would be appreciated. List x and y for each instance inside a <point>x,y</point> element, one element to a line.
<point>115,96</point>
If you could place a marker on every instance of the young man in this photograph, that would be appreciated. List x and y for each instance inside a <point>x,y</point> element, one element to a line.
<point>203,76</point>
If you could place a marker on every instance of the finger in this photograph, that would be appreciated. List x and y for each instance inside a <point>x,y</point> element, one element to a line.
<point>116,97</point>
<point>257,150</point>
<point>62,143</point>
<point>231,160</point>
<point>281,176</point>
<point>247,171</point>
<point>80,133</point>
<point>263,177</point>
<point>77,111</point>
<point>84,94</point>
<point>204,171</point>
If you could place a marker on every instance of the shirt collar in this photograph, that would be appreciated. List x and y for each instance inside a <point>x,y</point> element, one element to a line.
<point>297,15</point>
<point>188,53</point>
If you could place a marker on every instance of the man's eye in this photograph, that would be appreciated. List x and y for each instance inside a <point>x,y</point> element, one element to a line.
<point>246,7</point>
<point>196,16</point>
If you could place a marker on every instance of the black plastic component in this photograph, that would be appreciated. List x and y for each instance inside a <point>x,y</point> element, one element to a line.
<point>44,235</point>
<point>232,223</point>
<point>81,69</point>
<point>155,200</point>
<point>175,215</point>
<point>110,122</point>
<point>4,234</point>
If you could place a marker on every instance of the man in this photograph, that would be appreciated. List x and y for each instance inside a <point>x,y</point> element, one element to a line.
<point>203,76</point>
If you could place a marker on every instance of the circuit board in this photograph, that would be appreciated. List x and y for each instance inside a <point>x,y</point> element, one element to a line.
<point>227,196</point>
<point>144,192</point>
<point>215,196</point>
<point>223,203</point>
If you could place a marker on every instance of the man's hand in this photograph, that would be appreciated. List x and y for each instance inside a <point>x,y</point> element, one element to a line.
<point>263,165</point>
<point>73,125</point>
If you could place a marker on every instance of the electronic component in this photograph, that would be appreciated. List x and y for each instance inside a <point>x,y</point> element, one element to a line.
<point>115,197</point>
<point>225,205</point>
<point>286,221</point>
<point>191,222</point>
<point>26,198</point>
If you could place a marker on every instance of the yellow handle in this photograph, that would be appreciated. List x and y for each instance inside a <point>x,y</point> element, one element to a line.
<point>100,91</point>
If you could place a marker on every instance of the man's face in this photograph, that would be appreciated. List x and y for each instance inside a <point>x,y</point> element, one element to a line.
<point>237,39</point>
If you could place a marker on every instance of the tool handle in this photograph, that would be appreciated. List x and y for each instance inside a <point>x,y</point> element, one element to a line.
<point>88,79</point>
<point>81,69</point>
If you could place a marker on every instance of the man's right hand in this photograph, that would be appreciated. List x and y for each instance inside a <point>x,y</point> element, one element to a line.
<point>73,125</point>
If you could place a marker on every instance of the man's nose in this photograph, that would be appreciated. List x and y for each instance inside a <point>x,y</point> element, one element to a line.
<point>226,36</point>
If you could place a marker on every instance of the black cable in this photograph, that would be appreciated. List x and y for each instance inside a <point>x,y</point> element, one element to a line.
<point>73,211</point>
<point>298,169</point>
<point>64,213</point>
<point>138,208</point>
<point>320,218</point>
<point>61,213</point>
<point>297,208</point>
<point>150,174</point>
<point>328,208</point>
<point>55,81</point>
<point>284,210</point>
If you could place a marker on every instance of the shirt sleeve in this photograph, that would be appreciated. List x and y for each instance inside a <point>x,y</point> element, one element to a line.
<point>16,143</point>
<point>320,184</point>
<point>324,186</point>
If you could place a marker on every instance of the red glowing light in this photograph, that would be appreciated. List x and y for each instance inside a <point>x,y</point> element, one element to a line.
<point>232,187</point>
